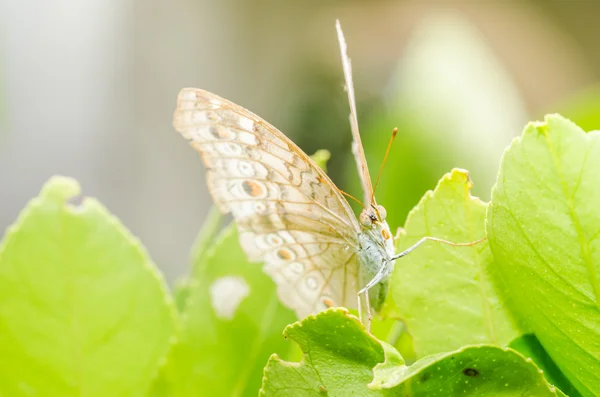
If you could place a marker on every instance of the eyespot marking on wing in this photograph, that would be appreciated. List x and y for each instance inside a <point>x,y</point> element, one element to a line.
<point>285,254</point>
<point>311,282</point>
<point>253,188</point>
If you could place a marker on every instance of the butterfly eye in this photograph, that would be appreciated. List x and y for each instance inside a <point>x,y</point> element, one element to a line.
<point>382,212</point>
<point>365,219</point>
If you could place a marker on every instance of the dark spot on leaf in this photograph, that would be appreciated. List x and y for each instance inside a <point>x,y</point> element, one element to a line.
<point>75,201</point>
<point>472,372</point>
<point>425,377</point>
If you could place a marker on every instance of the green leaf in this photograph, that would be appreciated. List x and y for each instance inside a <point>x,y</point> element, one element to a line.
<point>321,157</point>
<point>342,359</point>
<point>83,311</point>
<point>232,323</point>
<point>445,293</point>
<point>543,231</point>
<point>338,359</point>
<point>181,292</point>
<point>470,371</point>
<point>205,237</point>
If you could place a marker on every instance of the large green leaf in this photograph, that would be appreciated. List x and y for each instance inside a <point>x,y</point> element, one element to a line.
<point>341,359</point>
<point>543,227</point>
<point>232,323</point>
<point>444,293</point>
<point>83,311</point>
<point>471,371</point>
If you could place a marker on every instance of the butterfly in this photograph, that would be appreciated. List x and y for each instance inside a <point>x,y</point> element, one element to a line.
<point>288,212</point>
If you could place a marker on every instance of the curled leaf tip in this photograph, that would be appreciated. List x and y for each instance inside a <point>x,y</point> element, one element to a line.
<point>460,175</point>
<point>60,188</point>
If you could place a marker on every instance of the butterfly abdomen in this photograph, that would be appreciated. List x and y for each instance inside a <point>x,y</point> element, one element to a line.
<point>373,259</point>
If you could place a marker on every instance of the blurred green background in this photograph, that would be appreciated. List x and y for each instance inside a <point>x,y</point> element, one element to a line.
<point>87,89</point>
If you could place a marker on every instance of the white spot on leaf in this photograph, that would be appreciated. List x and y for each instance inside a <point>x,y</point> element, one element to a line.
<point>226,294</point>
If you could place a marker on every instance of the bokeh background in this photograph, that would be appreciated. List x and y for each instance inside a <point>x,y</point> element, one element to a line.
<point>87,89</point>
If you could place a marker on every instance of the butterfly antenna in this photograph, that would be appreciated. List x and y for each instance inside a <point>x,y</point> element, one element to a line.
<point>387,152</point>
<point>352,197</point>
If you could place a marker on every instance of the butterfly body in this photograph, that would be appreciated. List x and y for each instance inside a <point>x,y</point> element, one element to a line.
<point>289,213</point>
<point>376,249</point>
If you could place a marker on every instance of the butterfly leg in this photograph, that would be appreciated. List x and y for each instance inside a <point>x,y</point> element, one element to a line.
<point>381,274</point>
<point>369,315</point>
<point>359,308</point>
<point>364,292</point>
<point>439,240</point>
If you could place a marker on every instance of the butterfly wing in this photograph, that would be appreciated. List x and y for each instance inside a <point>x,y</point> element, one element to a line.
<point>357,147</point>
<point>288,212</point>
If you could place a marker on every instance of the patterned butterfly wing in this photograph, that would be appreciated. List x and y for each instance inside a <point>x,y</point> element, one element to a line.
<point>288,212</point>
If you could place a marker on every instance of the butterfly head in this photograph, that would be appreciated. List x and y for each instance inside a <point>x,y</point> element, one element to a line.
<point>372,215</point>
<point>372,219</point>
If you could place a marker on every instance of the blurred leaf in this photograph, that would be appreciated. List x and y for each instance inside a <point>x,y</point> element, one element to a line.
<point>444,293</point>
<point>232,323</point>
<point>341,359</point>
<point>181,292</point>
<point>321,157</point>
<point>205,237</point>
<point>543,231</point>
<point>83,311</point>
<point>529,346</point>
<point>470,371</point>
<point>583,109</point>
